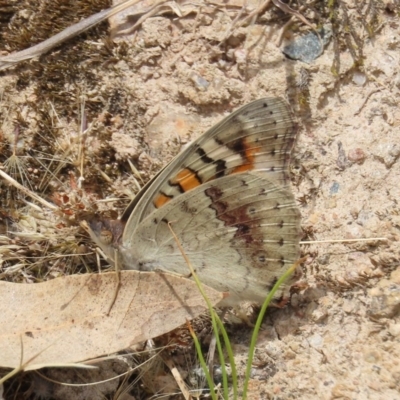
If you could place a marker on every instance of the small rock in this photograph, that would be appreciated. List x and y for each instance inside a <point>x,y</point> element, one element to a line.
<point>319,315</point>
<point>272,350</point>
<point>341,161</point>
<point>385,300</point>
<point>359,78</point>
<point>387,152</point>
<point>316,341</point>
<point>394,329</point>
<point>372,357</point>
<point>308,47</point>
<point>356,155</point>
<point>200,82</point>
<point>334,188</point>
<point>241,56</point>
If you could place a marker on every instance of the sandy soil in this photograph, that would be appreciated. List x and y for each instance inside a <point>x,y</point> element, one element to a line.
<point>151,92</point>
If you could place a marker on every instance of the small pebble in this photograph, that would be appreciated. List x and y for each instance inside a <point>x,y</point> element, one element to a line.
<point>316,341</point>
<point>241,56</point>
<point>387,152</point>
<point>359,78</point>
<point>372,357</point>
<point>394,329</point>
<point>334,188</point>
<point>200,82</point>
<point>385,301</point>
<point>308,47</point>
<point>356,155</point>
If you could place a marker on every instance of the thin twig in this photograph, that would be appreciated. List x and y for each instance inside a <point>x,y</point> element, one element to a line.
<point>178,377</point>
<point>27,191</point>
<point>285,8</point>
<point>366,100</point>
<point>61,37</point>
<point>237,24</point>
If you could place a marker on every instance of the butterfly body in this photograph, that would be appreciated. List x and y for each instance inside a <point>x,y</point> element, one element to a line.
<point>227,198</point>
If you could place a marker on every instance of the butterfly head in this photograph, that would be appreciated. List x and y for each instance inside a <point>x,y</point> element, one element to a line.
<point>106,233</point>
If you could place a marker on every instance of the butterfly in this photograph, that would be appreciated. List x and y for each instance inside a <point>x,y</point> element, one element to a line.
<point>228,199</point>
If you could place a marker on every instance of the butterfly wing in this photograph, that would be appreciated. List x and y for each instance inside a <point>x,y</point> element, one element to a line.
<point>228,199</point>
<point>257,137</point>
<point>240,232</point>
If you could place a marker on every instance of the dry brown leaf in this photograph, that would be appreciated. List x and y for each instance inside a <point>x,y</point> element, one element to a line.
<point>65,320</point>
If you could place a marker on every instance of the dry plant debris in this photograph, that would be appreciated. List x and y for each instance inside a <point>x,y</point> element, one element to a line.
<point>47,333</point>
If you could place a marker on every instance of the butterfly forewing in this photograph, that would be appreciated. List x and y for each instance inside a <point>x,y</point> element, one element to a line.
<point>258,136</point>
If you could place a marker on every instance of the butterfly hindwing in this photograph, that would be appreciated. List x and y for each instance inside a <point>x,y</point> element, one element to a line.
<point>240,232</point>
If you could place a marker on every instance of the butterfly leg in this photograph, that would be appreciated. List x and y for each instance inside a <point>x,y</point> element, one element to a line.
<point>118,281</point>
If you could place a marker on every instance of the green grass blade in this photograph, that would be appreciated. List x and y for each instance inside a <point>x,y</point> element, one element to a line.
<point>230,357</point>
<point>202,362</point>
<point>256,330</point>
